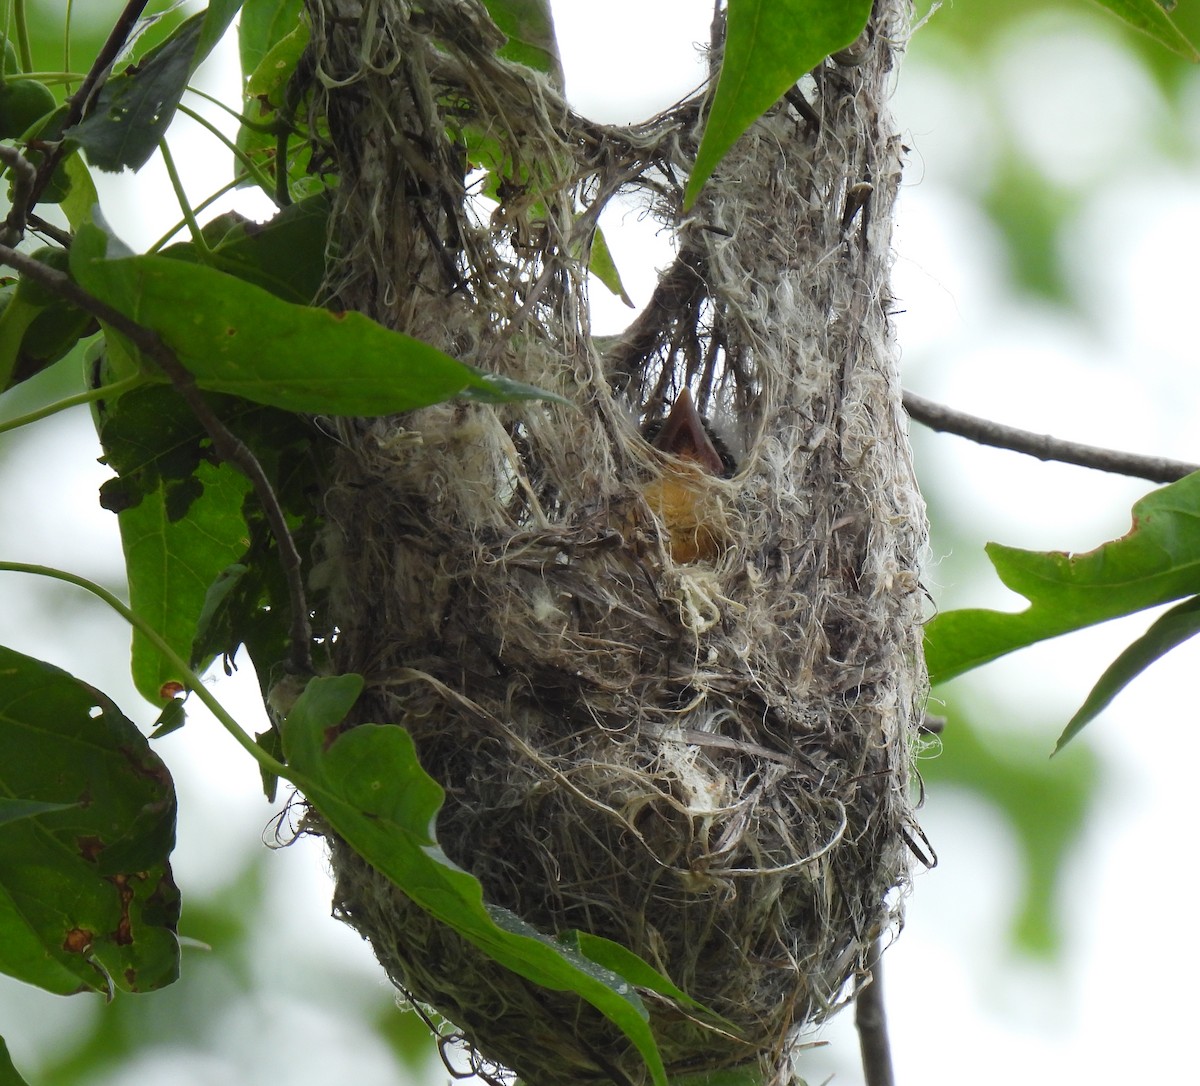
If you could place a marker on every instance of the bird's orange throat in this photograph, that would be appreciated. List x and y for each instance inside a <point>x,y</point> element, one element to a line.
<point>690,512</point>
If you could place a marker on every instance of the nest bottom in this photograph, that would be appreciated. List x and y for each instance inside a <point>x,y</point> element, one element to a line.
<point>756,882</point>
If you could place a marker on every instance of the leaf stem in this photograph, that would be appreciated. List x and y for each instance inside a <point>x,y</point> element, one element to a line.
<point>261,179</point>
<point>241,118</point>
<point>208,201</point>
<point>1045,447</point>
<point>117,388</point>
<point>195,684</point>
<point>189,215</point>
<point>70,15</point>
<point>23,49</point>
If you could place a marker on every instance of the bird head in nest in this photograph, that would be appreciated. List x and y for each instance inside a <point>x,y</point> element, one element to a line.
<point>682,498</point>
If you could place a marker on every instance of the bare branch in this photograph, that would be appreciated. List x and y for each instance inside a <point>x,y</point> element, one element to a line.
<point>226,444</point>
<point>1045,447</point>
<point>870,1019</point>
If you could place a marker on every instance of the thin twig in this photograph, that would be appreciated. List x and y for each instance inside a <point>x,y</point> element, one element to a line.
<point>117,388</point>
<point>55,233</point>
<point>985,432</point>
<point>870,1019</point>
<point>226,444</point>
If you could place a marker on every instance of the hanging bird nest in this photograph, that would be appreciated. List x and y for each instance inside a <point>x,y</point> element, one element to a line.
<point>668,707</point>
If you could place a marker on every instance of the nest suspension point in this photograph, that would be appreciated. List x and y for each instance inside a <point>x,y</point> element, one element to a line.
<point>670,680</point>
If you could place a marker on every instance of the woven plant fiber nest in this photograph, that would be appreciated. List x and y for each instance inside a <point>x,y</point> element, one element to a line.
<point>690,734</point>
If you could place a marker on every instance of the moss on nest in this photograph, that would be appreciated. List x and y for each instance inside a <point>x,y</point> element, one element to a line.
<point>706,761</point>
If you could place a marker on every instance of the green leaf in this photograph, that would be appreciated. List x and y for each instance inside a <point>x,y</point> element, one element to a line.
<point>171,719</point>
<point>285,255</point>
<point>81,195</point>
<point>249,603</point>
<point>12,810</point>
<point>152,441</point>
<point>237,338</point>
<point>212,627</point>
<point>272,743</point>
<point>9,1076</point>
<point>37,327</point>
<point>134,109</point>
<point>86,896</point>
<point>249,606</point>
<point>264,23</point>
<point>623,962</point>
<point>1157,561</point>
<point>1167,631</point>
<point>769,45</point>
<point>604,268</point>
<point>265,96</point>
<point>1151,17</point>
<point>529,27</point>
<point>167,501</point>
<point>368,784</point>
<point>726,1076</point>
<point>268,79</point>
<point>181,520</point>
<point>172,555</point>
<point>218,16</point>
<point>16,316</point>
<point>272,37</point>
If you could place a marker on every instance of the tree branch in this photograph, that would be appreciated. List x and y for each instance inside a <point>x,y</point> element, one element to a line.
<point>24,178</point>
<point>227,445</point>
<point>985,432</point>
<point>870,1019</point>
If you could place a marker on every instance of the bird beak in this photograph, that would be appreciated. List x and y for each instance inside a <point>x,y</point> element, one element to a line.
<point>684,435</point>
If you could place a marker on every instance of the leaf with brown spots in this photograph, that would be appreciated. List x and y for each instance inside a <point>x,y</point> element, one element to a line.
<point>87,902</point>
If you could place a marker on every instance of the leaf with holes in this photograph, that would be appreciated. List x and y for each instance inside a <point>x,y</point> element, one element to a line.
<point>135,108</point>
<point>87,902</point>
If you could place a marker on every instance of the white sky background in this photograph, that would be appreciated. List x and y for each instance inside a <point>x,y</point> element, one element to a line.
<point>1119,371</point>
